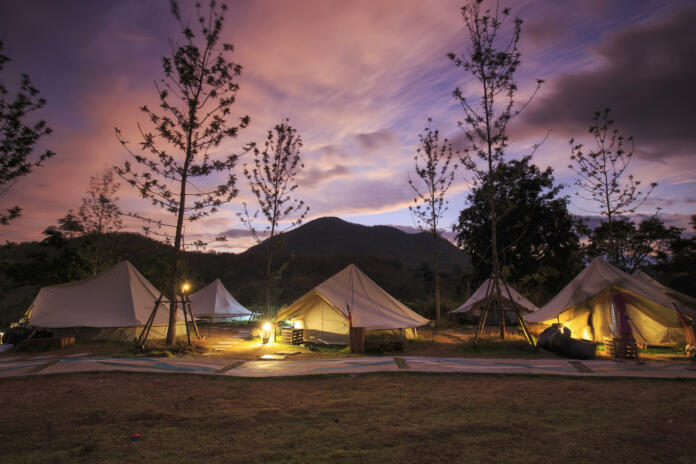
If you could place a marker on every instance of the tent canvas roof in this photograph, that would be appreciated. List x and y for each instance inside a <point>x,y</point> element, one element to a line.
<point>370,306</point>
<point>215,300</point>
<point>597,277</point>
<point>117,297</point>
<point>685,303</point>
<point>479,296</point>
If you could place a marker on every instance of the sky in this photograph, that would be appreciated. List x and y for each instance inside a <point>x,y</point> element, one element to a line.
<point>358,79</point>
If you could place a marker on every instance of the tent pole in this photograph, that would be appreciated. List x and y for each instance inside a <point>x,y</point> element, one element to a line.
<point>148,324</point>
<point>483,314</point>
<point>520,319</point>
<point>193,320</point>
<point>188,332</point>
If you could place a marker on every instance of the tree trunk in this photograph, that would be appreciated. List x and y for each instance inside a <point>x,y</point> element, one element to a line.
<point>269,257</point>
<point>436,266</point>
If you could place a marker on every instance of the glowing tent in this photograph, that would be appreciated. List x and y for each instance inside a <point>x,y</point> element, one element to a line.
<point>348,299</point>
<point>589,304</point>
<point>477,302</point>
<point>112,305</point>
<point>214,301</point>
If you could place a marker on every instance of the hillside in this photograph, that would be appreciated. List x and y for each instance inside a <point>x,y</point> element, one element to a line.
<point>330,236</point>
<point>26,267</point>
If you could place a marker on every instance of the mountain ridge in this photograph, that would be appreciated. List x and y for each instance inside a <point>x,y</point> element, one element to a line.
<point>327,236</point>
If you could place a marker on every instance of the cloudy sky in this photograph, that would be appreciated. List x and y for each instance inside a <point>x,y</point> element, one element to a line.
<point>358,79</point>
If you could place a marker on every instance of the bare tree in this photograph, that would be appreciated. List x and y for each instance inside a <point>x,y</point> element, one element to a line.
<point>273,179</point>
<point>195,99</point>
<point>491,58</point>
<point>602,175</point>
<point>19,137</point>
<point>434,168</point>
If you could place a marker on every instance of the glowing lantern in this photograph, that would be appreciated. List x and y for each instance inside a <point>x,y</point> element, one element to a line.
<point>266,332</point>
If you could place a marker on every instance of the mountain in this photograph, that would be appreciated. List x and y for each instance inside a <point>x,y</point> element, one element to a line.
<point>331,236</point>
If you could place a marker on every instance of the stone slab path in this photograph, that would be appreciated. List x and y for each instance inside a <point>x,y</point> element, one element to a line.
<point>17,366</point>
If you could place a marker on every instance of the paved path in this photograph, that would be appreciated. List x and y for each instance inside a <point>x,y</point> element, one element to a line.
<point>17,366</point>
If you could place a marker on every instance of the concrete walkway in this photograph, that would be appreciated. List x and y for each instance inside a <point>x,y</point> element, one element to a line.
<point>17,366</point>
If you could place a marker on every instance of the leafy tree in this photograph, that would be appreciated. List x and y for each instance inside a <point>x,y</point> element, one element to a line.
<point>632,243</point>
<point>99,212</point>
<point>273,180</point>
<point>603,179</point>
<point>492,59</point>
<point>18,137</point>
<point>435,170</point>
<point>195,99</point>
<point>538,235</point>
<point>98,215</point>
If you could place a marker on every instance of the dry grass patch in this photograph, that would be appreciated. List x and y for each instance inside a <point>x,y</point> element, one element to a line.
<point>367,418</point>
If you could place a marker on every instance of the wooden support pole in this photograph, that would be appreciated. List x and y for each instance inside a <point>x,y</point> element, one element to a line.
<point>148,324</point>
<point>520,319</point>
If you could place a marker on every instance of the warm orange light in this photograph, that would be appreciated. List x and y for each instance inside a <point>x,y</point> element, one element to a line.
<point>266,332</point>
<point>185,288</point>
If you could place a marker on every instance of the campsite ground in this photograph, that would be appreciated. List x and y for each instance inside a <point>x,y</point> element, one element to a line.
<point>357,418</point>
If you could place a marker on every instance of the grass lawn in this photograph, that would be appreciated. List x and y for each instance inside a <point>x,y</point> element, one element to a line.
<point>400,418</point>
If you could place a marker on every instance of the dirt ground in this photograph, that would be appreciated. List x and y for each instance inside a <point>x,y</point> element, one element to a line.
<point>360,418</point>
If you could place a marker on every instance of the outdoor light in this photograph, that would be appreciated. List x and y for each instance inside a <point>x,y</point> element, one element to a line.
<point>266,332</point>
<point>185,288</point>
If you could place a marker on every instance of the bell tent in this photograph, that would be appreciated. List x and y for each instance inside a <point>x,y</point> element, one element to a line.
<point>590,306</point>
<point>348,299</point>
<point>112,305</point>
<point>482,296</point>
<point>215,302</point>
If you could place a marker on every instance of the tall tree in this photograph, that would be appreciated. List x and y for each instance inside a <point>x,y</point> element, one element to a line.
<point>603,178</point>
<point>538,235</point>
<point>435,170</point>
<point>492,59</point>
<point>18,137</point>
<point>196,95</point>
<point>273,180</point>
<point>99,214</point>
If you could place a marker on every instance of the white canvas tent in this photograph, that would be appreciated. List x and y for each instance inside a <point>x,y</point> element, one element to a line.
<point>113,305</point>
<point>323,312</point>
<point>214,301</point>
<point>586,307</point>
<point>477,302</point>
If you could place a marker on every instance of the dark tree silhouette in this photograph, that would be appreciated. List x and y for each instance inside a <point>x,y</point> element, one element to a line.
<point>99,215</point>
<point>195,99</point>
<point>630,244</point>
<point>18,137</point>
<point>603,178</point>
<point>435,170</point>
<point>539,236</point>
<point>492,59</point>
<point>273,179</point>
